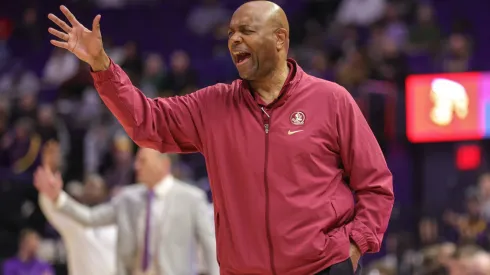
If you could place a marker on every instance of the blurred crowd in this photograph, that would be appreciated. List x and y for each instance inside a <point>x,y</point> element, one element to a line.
<point>366,46</point>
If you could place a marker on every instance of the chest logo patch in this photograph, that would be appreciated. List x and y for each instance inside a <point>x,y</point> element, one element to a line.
<point>297,118</point>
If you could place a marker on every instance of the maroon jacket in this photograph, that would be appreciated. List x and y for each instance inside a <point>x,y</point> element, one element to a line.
<point>284,176</point>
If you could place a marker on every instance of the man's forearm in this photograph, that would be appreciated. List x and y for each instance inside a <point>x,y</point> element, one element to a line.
<point>373,211</point>
<point>97,216</point>
<point>176,117</point>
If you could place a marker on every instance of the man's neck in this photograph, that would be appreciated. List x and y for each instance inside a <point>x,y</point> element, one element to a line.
<point>269,88</point>
<point>155,184</point>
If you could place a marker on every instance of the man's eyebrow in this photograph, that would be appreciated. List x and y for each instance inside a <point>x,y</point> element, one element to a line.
<point>241,26</point>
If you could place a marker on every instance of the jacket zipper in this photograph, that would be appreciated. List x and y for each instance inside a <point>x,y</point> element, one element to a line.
<point>267,119</point>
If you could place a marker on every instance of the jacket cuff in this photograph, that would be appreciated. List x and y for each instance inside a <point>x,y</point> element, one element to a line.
<point>359,241</point>
<point>61,200</point>
<point>105,75</point>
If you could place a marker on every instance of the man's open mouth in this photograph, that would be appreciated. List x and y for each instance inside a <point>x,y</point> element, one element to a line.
<point>242,57</point>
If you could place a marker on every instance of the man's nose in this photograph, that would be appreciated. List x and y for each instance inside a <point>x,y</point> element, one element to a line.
<point>236,38</point>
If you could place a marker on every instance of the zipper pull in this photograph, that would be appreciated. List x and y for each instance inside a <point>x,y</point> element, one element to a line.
<point>266,127</point>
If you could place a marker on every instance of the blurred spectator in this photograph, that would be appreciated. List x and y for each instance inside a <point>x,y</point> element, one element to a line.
<point>457,56</point>
<point>484,190</point>
<point>29,31</point>
<point>26,261</point>
<point>4,116</point>
<point>360,12</point>
<point>116,53</point>
<point>46,123</point>
<point>321,10</point>
<point>61,66</point>
<point>182,79</point>
<point>26,106</point>
<point>470,227</point>
<point>74,86</point>
<point>154,79</point>
<point>18,81</point>
<point>110,4</point>
<point>391,64</point>
<point>21,147</point>
<point>204,17</point>
<point>352,71</point>
<point>97,142</point>
<point>117,171</point>
<point>132,62</point>
<point>320,66</point>
<point>375,43</point>
<point>425,34</point>
<point>396,29</point>
<point>89,251</point>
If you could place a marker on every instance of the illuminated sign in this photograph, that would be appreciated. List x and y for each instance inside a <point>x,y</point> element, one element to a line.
<point>448,107</point>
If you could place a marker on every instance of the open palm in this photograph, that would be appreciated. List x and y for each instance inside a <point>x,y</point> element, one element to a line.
<point>84,43</point>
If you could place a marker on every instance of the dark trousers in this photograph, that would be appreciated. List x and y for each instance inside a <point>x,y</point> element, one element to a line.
<point>342,268</point>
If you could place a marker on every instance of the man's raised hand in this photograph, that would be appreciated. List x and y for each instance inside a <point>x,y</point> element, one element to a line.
<point>48,183</point>
<point>84,43</point>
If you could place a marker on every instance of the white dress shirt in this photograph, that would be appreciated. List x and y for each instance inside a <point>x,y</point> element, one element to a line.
<point>156,219</point>
<point>89,250</point>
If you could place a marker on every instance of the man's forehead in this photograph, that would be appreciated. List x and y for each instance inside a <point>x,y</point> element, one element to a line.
<point>246,17</point>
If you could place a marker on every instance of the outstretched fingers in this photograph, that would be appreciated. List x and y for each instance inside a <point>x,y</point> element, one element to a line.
<point>59,44</point>
<point>59,22</point>
<point>60,35</point>
<point>69,16</point>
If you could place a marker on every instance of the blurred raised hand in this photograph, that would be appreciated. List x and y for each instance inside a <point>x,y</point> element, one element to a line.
<point>51,156</point>
<point>84,43</point>
<point>48,183</point>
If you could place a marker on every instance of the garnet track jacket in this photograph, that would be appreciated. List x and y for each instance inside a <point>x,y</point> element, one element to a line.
<point>284,176</point>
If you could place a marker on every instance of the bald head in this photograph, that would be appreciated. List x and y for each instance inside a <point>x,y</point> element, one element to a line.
<point>270,13</point>
<point>151,166</point>
<point>259,39</point>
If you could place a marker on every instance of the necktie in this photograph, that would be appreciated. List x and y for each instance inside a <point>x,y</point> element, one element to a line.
<point>146,249</point>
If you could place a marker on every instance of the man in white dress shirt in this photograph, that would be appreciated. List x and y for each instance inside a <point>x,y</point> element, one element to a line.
<point>159,222</point>
<point>89,250</point>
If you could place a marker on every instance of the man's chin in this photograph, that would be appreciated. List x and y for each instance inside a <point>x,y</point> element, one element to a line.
<point>245,75</point>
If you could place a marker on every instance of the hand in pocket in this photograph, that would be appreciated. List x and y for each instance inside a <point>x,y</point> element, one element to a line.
<point>355,255</point>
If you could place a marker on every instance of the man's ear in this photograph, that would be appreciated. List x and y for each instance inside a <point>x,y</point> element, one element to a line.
<point>282,39</point>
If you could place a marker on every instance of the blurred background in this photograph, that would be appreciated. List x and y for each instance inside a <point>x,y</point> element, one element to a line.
<point>416,69</point>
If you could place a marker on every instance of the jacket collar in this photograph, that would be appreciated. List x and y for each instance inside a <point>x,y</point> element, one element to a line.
<point>295,75</point>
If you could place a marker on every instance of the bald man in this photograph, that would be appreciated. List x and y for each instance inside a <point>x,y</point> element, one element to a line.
<point>300,185</point>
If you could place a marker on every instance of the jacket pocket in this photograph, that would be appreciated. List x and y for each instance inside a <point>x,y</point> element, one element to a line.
<point>343,206</point>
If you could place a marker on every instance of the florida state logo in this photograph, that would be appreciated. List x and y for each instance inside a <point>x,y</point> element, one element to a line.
<point>297,118</point>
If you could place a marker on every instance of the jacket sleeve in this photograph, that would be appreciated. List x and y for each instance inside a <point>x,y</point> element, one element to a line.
<point>205,233</point>
<point>170,125</point>
<point>368,175</point>
<point>58,220</point>
<point>103,214</point>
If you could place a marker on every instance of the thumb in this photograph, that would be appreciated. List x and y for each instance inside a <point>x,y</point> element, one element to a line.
<point>96,24</point>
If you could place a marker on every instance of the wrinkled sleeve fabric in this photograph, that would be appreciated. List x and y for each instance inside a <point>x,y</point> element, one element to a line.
<point>368,174</point>
<point>169,125</point>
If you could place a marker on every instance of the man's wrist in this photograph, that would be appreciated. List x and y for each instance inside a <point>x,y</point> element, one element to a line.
<point>355,247</point>
<point>60,200</point>
<point>359,241</point>
<point>101,63</point>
